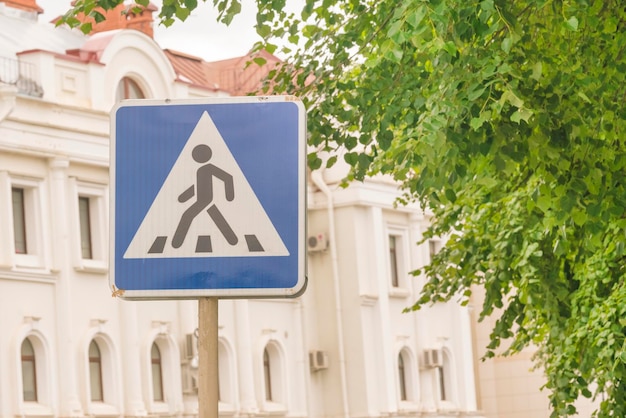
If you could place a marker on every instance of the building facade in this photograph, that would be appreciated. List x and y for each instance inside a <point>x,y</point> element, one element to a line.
<point>70,348</point>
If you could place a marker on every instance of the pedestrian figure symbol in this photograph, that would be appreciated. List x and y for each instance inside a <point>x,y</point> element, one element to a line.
<point>206,207</point>
<point>203,192</point>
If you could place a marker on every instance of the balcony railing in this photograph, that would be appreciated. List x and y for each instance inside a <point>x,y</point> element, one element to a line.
<point>22,75</point>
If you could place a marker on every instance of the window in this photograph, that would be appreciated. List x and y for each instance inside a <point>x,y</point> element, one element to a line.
<point>29,372</point>
<point>434,246</point>
<point>128,89</point>
<point>441,377</point>
<point>397,260</point>
<point>19,220</point>
<point>274,379</point>
<point>393,260</point>
<point>267,374</point>
<point>89,226</point>
<point>157,373</point>
<point>445,379</point>
<point>85,227</point>
<point>402,378</point>
<point>26,223</point>
<point>95,372</point>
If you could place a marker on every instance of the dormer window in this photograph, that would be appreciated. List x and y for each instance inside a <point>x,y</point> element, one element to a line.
<point>128,89</point>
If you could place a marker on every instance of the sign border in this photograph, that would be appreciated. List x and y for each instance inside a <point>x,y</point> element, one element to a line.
<point>224,293</point>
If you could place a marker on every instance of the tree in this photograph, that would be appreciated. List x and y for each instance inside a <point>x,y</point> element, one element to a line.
<point>505,119</point>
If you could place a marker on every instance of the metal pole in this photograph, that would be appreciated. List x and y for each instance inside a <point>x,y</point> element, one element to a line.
<point>208,381</point>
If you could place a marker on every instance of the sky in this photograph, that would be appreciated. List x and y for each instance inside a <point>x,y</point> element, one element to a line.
<point>199,35</point>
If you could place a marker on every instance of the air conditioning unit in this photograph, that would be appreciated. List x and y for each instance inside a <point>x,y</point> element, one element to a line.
<point>190,380</point>
<point>317,242</point>
<point>318,360</point>
<point>191,346</point>
<point>431,358</point>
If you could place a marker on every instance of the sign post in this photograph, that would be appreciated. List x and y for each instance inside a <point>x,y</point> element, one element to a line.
<point>208,202</point>
<point>208,372</point>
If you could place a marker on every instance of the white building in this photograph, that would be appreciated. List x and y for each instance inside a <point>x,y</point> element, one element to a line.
<point>70,349</point>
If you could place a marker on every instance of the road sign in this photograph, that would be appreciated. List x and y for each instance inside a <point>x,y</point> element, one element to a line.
<point>208,198</point>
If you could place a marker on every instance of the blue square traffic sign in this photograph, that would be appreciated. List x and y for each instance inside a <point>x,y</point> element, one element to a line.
<point>208,198</point>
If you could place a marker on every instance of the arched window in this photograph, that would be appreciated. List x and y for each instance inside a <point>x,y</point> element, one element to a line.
<point>157,373</point>
<point>128,89</point>
<point>95,372</point>
<point>29,372</point>
<point>402,378</point>
<point>267,374</point>
<point>274,379</point>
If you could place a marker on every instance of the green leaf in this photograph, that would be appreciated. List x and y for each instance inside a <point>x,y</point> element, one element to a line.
<point>86,28</point>
<point>98,17</point>
<point>260,61</point>
<point>415,17</point>
<point>182,13</point>
<point>583,96</point>
<point>313,161</point>
<point>263,30</point>
<point>190,4</point>
<point>537,70</point>
<point>351,158</point>
<point>450,195</point>
<point>572,23</point>
<point>521,114</point>
<point>506,44</point>
<point>450,48</point>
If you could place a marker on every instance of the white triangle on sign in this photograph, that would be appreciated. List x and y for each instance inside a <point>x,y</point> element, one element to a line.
<point>218,227</point>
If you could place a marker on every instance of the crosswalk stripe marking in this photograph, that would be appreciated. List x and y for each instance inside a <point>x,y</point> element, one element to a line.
<point>158,245</point>
<point>203,245</point>
<point>253,243</point>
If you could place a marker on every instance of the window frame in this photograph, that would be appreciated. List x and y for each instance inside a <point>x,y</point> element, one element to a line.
<point>98,361</point>
<point>22,247</point>
<point>434,246</point>
<point>277,378</point>
<point>43,371</point>
<point>402,378</point>
<point>445,378</point>
<point>267,375</point>
<point>394,270</point>
<point>410,401</point>
<point>111,403</point>
<point>97,198</point>
<point>125,86</point>
<point>84,222</point>
<point>159,363</point>
<point>400,235</point>
<point>33,223</point>
<point>170,370</point>
<point>32,359</point>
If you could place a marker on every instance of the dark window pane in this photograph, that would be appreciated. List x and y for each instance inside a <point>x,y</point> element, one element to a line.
<point>128,89</point>
<point>95,372</point>
<point>402,377</point>
<point>267,375</point>
<point>85,227</point>
<point>29,372</point>
<point>157,373</point>
<point>393,261</point>
<point>19,221</point>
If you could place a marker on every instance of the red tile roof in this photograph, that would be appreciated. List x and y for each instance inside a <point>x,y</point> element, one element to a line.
<point>237,76</point>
